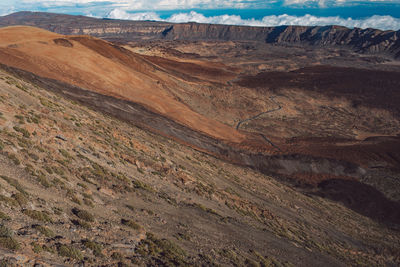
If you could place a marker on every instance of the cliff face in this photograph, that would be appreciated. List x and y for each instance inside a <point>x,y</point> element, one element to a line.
<point>362,40</point>
<point>104,28</point>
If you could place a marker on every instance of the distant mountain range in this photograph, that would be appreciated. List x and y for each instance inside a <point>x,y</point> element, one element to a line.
<point>360,40</point>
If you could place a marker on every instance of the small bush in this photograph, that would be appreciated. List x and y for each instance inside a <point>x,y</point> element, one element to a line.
<point>13,158</point>
<point>38,215</point>
<point>41,178</point>
<point>4,216</point>
<point>209,210</point>
<point>130,224</point>
<point>33,156</point>
<point>71,195</point>
<point>88,202</point>
<point>21,87</point>
<point>65,153</point>
<point>95,247</point>
<point>15,184</point>
<point>20,118</point>
<point>83,214</point>
<point>70,252</point>
<point>44,231</point>
<point>58,170</point>
<point>82,185</point>
<point>117,256</point>
<point>24,132</point>
<point>48,169</point>
<point>6,239</point>
<point>4,231</point>
<point>8,200</point>
<point>20,198</point>
<point>132,208</point>
<point>36,248</point>
<point>82,224</point>
<point>166,252</point>
<point>57,210</point>
<point>140,185</point>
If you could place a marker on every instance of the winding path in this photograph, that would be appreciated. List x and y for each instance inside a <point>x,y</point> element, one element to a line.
<point>272,98</point>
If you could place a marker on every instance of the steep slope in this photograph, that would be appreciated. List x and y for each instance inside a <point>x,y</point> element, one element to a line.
<point>101,67</point>
<point>79,187</point>
<point>361,40</point>
<point>311,147</point>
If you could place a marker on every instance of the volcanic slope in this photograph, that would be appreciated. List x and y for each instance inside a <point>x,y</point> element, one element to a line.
<point>102,67</point>
<point>78,187</point>
<point>129,86</point>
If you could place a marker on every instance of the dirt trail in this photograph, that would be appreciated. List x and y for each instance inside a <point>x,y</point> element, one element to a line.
<point>272,98</point>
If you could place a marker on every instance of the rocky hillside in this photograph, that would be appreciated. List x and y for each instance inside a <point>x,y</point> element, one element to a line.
<point>77,186</point>
<point>142,90</point>
<point>187,153</point>
<point>361,40</point>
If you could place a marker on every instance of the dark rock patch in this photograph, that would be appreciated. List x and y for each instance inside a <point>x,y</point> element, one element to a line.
<point>63,42</point>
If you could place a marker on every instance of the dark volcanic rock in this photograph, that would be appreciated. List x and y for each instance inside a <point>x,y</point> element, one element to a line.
<point>361,40</point>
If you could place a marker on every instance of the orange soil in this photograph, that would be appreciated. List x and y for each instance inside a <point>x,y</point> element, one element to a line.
<point>99,66</point>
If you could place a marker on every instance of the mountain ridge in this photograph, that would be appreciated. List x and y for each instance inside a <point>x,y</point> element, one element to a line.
<point>362,40</point>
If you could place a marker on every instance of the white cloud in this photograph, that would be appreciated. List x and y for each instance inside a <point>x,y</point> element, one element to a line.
<point>378,22</point>
<point>122,14</point>
<point>128,9</point>
<point>67,2</point>
<point>190,4</point>
<point>330,3</point>
<point>154,4</point>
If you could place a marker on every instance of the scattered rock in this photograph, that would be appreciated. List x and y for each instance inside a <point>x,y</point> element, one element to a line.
<point>61,137</point>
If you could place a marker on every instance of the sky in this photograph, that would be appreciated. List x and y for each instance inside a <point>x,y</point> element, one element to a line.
<point>380,14</point>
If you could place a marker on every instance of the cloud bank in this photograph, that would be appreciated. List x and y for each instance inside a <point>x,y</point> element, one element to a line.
<point>377,22</point>
<point>349,13</point>
<point>191,4</point>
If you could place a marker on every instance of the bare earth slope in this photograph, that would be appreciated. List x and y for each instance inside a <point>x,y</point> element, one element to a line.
<point>173,96</point>
<point>100,67</point>
<point>79,187</point>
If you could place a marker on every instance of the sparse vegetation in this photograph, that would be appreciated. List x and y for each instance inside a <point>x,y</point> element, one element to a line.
<point>8,200</point>
<point>24,132</point>
<point>130,207</point>
<point>117,256</point>
<point>15,184</point>
<point>6,239</point>
<point>36,248</point>
<point>95,247</point>
<point>65,153</point>
<point>43,180</point>
<point>38,215</point>
<point>82,223</point>
<point>47,197</point>
<point>71,195</point>
<point>20,198</point>
<point>14,158</point>
<point>44,230</point>
<point>141,185</point>
<point>163,250</point>
<point>200,206</point>
<point>70,252</point>
<point>130,224</point>
<point>83,214</point>
<point>4,216</point>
